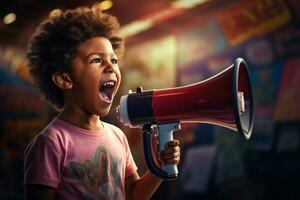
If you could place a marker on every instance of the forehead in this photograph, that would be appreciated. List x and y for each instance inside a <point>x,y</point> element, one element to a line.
<point>95,44</point>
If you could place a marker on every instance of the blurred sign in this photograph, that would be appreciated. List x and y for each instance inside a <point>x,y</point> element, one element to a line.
<point>288,101</point>
<point>251,18</point>
<point>265,81</point>
<point>287,42</point>
<point>259,52</point>
<point>209,66</point>
<point>200,42</point>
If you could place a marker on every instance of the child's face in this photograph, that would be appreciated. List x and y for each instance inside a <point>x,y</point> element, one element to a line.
<point>95,75</point>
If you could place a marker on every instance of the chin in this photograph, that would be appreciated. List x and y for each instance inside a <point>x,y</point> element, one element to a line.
<point>104,112</point>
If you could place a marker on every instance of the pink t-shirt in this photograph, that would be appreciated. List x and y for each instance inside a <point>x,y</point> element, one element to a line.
<point>81,164</point>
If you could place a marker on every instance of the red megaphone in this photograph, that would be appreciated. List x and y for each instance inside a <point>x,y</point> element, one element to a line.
<point>224,100</point>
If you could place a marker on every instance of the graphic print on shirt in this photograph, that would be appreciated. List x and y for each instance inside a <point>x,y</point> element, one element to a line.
<point>100,177</point>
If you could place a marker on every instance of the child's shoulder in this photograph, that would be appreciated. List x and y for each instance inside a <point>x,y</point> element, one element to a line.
<point>49,135</point>
<point>50,130</point>
<point>116,130</point>
<point>113,128</point>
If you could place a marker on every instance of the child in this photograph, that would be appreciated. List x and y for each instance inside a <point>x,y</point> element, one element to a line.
<point>73,59</point>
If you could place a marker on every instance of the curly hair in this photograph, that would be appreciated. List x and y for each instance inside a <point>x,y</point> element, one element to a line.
<point>53,46</point>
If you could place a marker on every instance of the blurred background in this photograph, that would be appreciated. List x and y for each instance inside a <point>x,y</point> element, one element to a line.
<point>175,43</point>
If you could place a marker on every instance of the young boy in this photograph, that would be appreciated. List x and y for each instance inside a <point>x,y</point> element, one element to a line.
<point>73,59</point>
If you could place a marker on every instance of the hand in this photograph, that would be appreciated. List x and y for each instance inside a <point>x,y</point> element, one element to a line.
<point>171,154</point>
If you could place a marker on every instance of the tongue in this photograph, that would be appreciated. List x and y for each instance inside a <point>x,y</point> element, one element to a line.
<point>104,96</point>
<point>106,93</point>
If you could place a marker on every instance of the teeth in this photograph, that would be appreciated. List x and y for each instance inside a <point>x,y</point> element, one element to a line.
<point>109,83</point>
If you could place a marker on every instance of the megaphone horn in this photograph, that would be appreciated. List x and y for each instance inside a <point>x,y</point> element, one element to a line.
<point>224,100</point>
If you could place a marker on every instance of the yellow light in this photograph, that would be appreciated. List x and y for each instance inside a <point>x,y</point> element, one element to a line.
<point>187,4</point>
<point>9,18</point>
<point>55,12</point>
<point>105,5</point>
<point>135,28</point>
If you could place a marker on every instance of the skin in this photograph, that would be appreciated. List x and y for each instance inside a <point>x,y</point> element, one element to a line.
<point>95,62</point>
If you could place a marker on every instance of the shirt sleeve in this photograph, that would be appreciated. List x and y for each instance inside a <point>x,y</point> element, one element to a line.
<point>43,160</point>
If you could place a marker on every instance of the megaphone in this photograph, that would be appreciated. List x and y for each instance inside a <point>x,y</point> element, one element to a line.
<point>224,100</point>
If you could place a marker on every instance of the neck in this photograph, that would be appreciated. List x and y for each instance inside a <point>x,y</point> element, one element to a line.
<point>80,119</point>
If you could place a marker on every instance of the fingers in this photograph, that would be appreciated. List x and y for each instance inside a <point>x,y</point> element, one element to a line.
<point>173,161</point>
<point>171,153</point>
<point>172,143</point>
<point>170,158</point>
<point>170,150</point>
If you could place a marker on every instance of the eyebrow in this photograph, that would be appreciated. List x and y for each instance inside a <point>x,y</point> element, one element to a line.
<point>99,54</point>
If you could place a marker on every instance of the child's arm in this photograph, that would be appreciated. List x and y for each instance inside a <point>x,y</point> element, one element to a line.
<point>144,187</point>
<point>37,192</point>
<point>141,187</point>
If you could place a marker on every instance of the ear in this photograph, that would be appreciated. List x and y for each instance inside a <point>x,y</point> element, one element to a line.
<point>62,80</point>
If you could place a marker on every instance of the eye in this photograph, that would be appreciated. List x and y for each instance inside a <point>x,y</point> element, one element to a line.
<point>114,61</point>
<point>96,60</point>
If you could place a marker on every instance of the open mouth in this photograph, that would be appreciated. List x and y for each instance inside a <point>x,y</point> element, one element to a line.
<point>106,90</point>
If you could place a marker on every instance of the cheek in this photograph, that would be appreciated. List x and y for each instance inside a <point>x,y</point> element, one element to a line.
<point>88,82</point>
<point>119,77</point>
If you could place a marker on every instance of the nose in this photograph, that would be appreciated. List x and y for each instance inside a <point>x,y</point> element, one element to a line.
<point>110,68</point>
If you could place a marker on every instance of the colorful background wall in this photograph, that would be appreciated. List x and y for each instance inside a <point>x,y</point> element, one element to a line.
<point>183,45</point>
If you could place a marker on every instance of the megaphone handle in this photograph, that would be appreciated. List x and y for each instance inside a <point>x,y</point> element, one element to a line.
<point>165,134</point>
<point>147,132</point>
